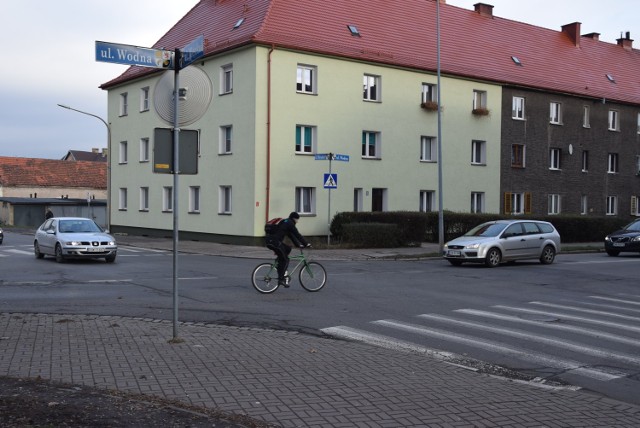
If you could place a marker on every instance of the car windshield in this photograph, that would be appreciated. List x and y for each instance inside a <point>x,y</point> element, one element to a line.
<point>633,227</point>
<point>487,229</point>
<point>78,226</point>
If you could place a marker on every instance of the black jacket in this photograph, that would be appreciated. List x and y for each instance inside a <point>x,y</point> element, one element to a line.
<point>287,227</point>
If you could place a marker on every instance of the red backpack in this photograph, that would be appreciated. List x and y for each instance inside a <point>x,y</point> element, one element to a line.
<point>272,225</point>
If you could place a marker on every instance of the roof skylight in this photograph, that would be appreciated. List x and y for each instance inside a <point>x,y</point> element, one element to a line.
<point>354,30</point>
<point>516,60</point>
<point>239,23</point>
<point>611,79</point>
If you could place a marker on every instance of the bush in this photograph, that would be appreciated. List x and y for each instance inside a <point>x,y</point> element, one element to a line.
<point>372,235</point>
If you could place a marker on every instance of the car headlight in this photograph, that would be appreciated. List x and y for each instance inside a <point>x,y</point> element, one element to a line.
<point>607,238</point>
<point>636,239</point>
<point>111,243</point>
<point>73,243</point>
<point>473,246</point>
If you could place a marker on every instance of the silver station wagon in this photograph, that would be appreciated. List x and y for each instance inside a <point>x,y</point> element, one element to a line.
<point>499,241</point>
<point>74,238</point>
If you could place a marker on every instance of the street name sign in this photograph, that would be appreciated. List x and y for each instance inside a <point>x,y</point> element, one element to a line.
<point>192,51</point>
<point>133,55</point>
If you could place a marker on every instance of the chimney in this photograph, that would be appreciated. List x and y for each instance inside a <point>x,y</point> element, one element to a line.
<point>573,31</point>
<point>484,9</point>
<point>626,42</point>
<point>594,36</point>
<point>94,150</point>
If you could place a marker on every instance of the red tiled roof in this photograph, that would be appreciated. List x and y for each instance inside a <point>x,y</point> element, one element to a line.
<point>79,155</point>
<point>403,33</point>
<point>52,173</point>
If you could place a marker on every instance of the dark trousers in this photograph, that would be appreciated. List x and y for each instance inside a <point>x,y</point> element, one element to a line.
<point>282,251</point>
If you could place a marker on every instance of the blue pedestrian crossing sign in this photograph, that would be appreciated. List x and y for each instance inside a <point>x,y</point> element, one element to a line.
<point>331,181</point>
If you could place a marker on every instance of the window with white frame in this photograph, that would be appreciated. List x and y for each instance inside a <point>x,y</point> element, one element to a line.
<point>144,199</point>
<point>517,108</point>
<point>586,117</point>
<point>612,163</point>
<point>479,100</point>
<point>477,202</point>
<point>167,199</point>
<point>428,149</point>
<point>429,93</point>
<point>305,139</point>
<point>555,113</point>
<point>635,205</point>
<point>517,203</point>
<point>427,201</point>
<point>226,135</point>
<point>478,152</point>
<point>306,79</point>
<point>554,158</point>
<point>122,199</point>
<point>224,200</point>
<point>358,199</point>
<point>370,145</point>
<point>305,200</point>
<point>637,164</point>
<point>194,199</point>
<point>585,160</point>
<point>144,99</point>
<point>554,204</point>
<point>614,120</point>
<point>518,155</point>
<point>124,104</point>
<point>584,205</point>
<point>144,150</point>
<point>226,79</point>
<point>612,205</point>
<point>123,156</point>
<point>371,88</point>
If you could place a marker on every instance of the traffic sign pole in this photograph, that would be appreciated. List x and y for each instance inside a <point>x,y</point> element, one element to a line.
<point>329,205</point>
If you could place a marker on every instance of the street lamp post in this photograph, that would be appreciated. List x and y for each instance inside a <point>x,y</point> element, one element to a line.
<point>108,158</point>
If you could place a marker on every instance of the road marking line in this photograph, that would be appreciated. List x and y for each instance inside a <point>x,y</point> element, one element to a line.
<point>526,355</point>
<point>587,311</point>
<point>565,327</point>
<point>611,299</point>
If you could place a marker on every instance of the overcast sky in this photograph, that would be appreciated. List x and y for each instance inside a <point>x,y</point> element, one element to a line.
<point>50,58</point>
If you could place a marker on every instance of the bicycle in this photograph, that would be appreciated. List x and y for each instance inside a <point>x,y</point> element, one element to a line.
<point>312,275</point>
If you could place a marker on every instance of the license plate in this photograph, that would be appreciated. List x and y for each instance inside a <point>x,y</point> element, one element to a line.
<point>454,253</point>
<point>94,250</point>
<point>618,244</point>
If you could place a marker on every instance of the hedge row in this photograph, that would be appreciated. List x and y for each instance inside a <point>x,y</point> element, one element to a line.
<point>408,228</point>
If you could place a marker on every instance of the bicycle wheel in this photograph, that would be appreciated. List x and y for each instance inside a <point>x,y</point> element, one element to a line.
<point>265,278</point>
<point>313,276</point>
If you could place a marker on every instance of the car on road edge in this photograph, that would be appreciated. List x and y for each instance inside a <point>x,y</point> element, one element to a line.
<point>626,239</point>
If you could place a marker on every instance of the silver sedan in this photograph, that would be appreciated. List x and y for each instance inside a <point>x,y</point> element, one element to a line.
<point>74,237</point>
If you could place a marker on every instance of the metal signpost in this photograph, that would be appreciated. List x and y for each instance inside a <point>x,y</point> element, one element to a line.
<point>157,58</point>
<point>330,182</point>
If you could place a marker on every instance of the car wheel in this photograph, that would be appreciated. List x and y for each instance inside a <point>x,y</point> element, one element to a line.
<point>36,250</point>
<point>494,257</point>
<point>548,255</point>
<point>59,256</point>
<point>110,259</point>
<point>613,253</point>
<point>455,262</point>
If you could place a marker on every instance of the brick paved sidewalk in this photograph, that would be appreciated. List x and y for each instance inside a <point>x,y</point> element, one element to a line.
<point>286,378</point>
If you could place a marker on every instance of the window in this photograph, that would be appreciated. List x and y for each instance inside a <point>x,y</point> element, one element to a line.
<point>585,160</point>
<point>378,199</point>
<point>144,150</point>
<point>371,86</point>
<point>584,206</point>
<point>586,113</point>
<point>614,120</point>
<point>144,99</point>
<point>517,155</point>
<point>226,79</point>
<point>371,145</point>
<point>517,203</point>
<point>638,123</point>
<point>167,199</point>
<point>638,165</point>
<point>124,104</point>
<point>144,199</point>
<point>635,205</point>
<point>305,200</point>
<point>358,200</point>
<point>428,149</point>
<point>554,158</point>
<point>477,202</point>
<point>194,199</point>
<point>427,201</point>
<point>612,205</point>
<point>429,93</point>
<point>517,108</point>
<point>612,163</point>
<point>478,152</point>
<point>224,200</point>
<point>554,204</point>
<point>479,100</point>
<point>226,134</point>
<point>122,200</point>
<point>555,113</point>
<point>306,79</point>
<point>123,152</point>
<point>305,139</point>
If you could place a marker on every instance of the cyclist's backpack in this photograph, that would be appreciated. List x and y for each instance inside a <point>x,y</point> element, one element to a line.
<point>272,225</point>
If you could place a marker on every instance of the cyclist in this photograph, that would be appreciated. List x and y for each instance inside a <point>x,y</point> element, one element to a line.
<point>275,242</point>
